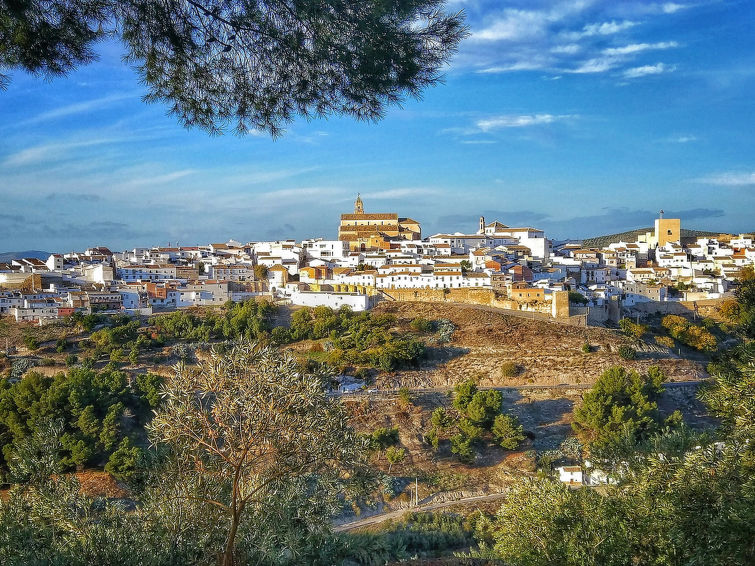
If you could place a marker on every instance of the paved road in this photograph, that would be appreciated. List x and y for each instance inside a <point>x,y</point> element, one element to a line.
<point>375,519</point>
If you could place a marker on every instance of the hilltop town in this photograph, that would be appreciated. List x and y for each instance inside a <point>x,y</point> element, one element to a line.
<point>383,257</point>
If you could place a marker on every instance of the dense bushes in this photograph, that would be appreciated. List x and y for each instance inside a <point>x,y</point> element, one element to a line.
<point>620,410</point>
<point>248,319</point>
<point>97,411</point>
<point>478,415</point>
<point>687,333</point>
<point>357,338</point>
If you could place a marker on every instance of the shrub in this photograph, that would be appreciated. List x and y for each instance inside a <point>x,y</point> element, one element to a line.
<point>627,352</point>
<point>632,328</point>
<point>484,406</point>
<point>420,324</point>
<point>509,369</point>
<point>586,348</point>
<point>666,341</point>
<point>405,396</point>
<point>507,431</point>
<point>31,342</point>
<point>577,298</point>
<point>445,329</point>
<point>316,347</point>
<point>463,393</point>
<point>381,438</point>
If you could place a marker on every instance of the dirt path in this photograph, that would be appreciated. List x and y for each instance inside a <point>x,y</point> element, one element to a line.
<point>376,519</point>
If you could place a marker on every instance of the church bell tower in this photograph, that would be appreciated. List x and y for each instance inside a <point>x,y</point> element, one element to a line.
<point>358,205</point>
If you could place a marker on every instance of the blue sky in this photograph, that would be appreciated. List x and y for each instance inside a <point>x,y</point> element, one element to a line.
<point>577,117</point>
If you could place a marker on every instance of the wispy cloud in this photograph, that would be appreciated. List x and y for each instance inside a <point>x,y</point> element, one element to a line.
<point>79,108</point>
<point>48,152</point>
<point>518,121</point>
<point>578,37</point>
<point>162,179</point>
<point>681,139</point>
<point>401,193</point>
<point>639,47</point>
<point>644,70</point>
<point>729,179</point>
<point>602,28</point>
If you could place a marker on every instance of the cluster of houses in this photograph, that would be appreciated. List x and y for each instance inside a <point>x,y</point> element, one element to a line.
<point>375,256</point>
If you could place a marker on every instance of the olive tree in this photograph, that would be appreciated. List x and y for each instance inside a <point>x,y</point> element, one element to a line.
<point>247,430</point>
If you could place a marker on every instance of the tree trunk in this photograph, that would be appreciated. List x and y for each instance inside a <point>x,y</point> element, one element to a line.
<point>230,543</point>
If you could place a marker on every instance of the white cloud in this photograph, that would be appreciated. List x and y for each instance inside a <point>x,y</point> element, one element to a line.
<point>518,66</point>
<point>161,179</point>
<point>604,28</point>
<point>402,193</point>
<point>596,65</point>
<point>568,49</point>
<point>518,121</point>
<point>79,108</point>
<point>729,179</point>
<point>514,25</point>
<point>50,152</point>
<point>671,7</point>
<point>645,70</point>
<point>682,139</point>
<point>639,47</point>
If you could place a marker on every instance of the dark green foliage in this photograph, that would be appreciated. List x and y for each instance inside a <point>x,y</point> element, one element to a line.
<point>461,446</point>
<point>249,319</point>
<point>619,410</point>
<point>90,405</point>
<point>577,298</point>
<point>31,342</point>
<point>586,348</point>
<point>507,432</point>
<point>259,64</point>
<point>463,393</point>
<point>627,352</point>
<point>420,324</point>
<point>382,438</point>
<point>358,338</point>
<point>484,407</point>
<point>123,463</point>
<point>149,385</point>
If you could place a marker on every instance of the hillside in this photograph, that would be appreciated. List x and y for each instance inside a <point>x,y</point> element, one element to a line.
<point>631,236</point>
<point>8,256</point>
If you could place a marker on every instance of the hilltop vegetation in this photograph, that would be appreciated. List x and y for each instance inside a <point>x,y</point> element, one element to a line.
<point>192,507</point>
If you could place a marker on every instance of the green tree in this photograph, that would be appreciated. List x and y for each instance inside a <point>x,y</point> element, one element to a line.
<point>111,426</point>
<point>88,423</point>
<point>463,394</point>
<point>124,462</point>
<point>620,406</point>
<point>577,298</point>
<point>394,455</point>
<point>221,64</point>
<point>484,407</point>
<point>507,432</point>
<point>250,426</point>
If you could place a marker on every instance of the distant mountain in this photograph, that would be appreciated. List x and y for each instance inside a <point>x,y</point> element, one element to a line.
<point>39,254</point>
<point>631,236</point>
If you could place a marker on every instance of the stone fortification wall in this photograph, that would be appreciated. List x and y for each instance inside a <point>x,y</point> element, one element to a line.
<point>487,297</point>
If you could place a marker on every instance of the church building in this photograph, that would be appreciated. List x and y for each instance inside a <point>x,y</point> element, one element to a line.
<point>375,231</point>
